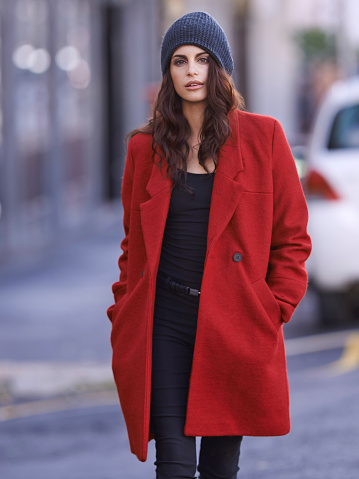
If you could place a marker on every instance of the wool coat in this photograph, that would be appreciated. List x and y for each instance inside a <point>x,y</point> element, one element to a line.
<point>254,277</point>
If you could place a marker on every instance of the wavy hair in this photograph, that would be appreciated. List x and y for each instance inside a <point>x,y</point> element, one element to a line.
<point>171,131</point>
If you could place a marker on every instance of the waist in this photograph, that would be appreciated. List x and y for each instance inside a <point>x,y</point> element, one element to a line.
<point>169,283</point>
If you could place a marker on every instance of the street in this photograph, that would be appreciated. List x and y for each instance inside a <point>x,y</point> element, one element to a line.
<point>59,413</point>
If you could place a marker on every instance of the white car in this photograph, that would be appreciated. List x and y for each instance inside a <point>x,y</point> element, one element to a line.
<point>332,190</point>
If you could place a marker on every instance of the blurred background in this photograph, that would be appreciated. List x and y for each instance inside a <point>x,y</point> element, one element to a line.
<point>75,77</point>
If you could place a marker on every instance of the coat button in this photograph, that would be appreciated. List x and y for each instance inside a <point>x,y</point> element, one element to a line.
<point>143,272</point>
<point>237,257</point>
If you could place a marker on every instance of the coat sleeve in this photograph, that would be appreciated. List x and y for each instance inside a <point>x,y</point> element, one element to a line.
<point>119,287</point>
<point>290,244</point>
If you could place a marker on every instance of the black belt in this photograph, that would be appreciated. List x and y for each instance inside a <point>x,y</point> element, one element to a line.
<point>168,282</point>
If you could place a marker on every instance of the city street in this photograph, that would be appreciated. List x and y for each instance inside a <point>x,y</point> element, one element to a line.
<point>59,413</point>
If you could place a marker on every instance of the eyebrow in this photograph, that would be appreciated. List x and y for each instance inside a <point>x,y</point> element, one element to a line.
<point>185,56</point>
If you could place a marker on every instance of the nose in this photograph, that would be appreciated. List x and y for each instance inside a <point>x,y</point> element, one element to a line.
<point>192,68</point>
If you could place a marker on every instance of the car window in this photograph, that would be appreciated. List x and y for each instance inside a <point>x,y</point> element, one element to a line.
<point>345,130</point>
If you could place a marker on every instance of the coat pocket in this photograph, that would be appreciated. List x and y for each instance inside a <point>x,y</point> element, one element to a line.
<point>268,301</point>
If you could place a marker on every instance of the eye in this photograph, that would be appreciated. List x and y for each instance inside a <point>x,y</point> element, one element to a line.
<point>204,60</point>
<point>178,61</point>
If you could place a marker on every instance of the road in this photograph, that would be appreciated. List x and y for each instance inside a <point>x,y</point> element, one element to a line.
<point>59,414</point>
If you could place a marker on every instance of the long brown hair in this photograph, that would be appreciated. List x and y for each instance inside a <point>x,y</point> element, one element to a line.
<point>171,131</point>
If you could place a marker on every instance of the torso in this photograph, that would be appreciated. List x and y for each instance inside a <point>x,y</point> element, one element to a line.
<point>185,236</point>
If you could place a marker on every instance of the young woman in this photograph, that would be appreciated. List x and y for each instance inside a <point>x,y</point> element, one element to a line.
<point>212,265</point>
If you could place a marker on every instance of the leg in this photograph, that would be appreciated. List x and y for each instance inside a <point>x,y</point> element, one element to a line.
<point>174,332</point>
<point>219,457</point>
<point>175,452</point>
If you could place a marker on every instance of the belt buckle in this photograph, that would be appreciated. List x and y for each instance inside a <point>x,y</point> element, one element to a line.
<point>194,292</point>
<point>182,288</point>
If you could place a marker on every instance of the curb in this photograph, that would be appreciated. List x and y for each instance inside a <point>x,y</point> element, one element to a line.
<point>318,342</point>
<point>21,380</point>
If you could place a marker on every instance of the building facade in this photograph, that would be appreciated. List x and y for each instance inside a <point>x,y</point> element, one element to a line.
<point>73,82</point>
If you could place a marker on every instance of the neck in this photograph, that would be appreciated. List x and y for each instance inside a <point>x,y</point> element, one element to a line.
<point>194,112</point>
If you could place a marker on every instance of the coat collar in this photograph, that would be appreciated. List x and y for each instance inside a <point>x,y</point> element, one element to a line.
<point>225,196</point>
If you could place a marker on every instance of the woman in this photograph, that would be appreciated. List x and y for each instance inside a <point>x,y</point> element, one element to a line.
<point>212,265</point>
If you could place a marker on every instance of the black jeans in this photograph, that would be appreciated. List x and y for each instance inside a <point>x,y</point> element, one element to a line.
<point>174,331</point>
<point>176,453</point>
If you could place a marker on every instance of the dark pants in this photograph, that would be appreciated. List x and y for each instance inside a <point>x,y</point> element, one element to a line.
<point>176,453</point>
<point>174,331</point>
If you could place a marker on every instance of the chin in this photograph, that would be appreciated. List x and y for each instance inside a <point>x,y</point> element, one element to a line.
<point>194,99</point>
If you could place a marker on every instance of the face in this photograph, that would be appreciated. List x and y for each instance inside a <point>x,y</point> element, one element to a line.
<point>189,72</point>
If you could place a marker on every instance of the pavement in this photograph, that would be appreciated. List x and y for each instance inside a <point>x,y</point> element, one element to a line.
<point>54,332</point>
<point>59,411</point>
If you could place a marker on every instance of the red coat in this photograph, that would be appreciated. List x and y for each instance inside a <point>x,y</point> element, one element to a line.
<point>238,383</point>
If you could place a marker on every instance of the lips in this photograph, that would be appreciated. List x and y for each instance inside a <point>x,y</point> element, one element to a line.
<point>193,83</point>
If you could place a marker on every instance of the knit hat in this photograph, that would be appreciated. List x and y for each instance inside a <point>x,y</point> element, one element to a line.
<point>201,30</point>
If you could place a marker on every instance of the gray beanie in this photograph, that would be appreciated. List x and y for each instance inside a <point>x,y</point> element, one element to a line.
<point>201,30</point>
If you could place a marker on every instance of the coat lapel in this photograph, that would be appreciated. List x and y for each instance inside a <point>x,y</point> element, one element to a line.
<point>227,187</point>
<point>154,213</point>
<point>225,196</point>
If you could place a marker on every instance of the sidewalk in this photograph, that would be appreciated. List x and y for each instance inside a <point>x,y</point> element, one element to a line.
<point>54,332</point>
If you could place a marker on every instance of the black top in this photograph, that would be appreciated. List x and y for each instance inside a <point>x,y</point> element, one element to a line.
<point>185,236</point>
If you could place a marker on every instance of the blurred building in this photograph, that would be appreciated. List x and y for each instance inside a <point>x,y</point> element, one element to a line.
<point>287,78</point>
<point>77,75</point>
<point>73,76</point>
